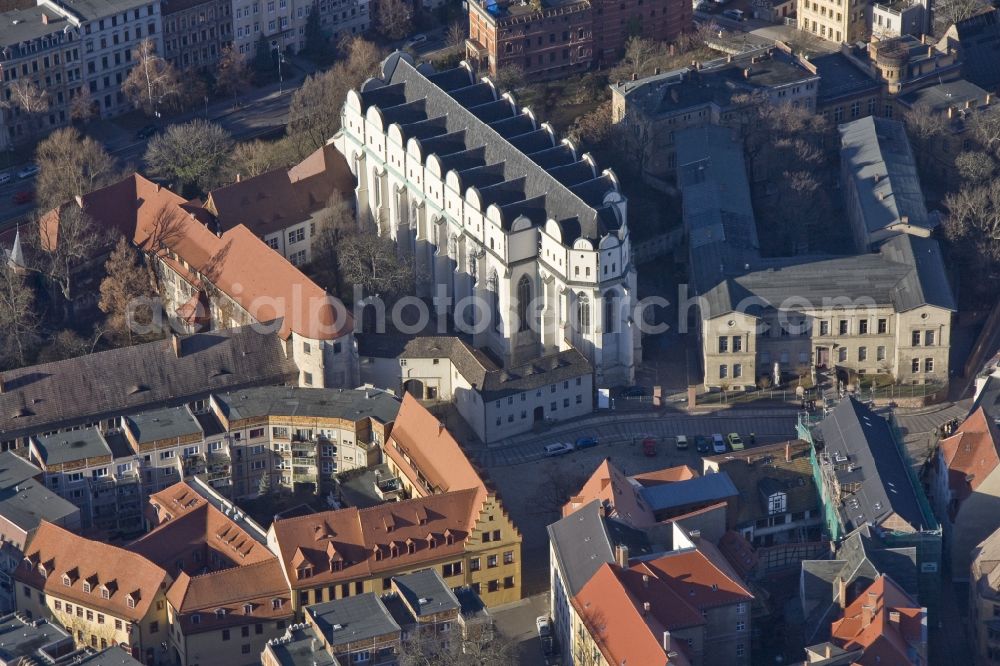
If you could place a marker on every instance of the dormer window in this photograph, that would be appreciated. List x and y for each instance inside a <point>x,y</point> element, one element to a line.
<point>86,587</point>
<point>105,593</point>
<point>247,609</point>
<point>275,604</point>
<point>43,571</point>
<point>336,565</point>
<point>66,580</point>
<point>304,572</point>
<point>393,550</point>
<point>411,547</point>
<point>220,612</point>
<point>378,554</point>
<point>130,601</point>
<point>196,619</point>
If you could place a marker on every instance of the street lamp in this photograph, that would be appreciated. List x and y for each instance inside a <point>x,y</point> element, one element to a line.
<point>206,107</point>
<point>281,80</point>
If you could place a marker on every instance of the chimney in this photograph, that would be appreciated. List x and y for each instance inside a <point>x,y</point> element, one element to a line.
<point>788,452</point>
<point>635,76</point>
<point>894,618</point>
<point>645,608</point>
<point>968,103</point>
<point>841,588</point>
<point>645,580</point>
<point>175,344</point>
<point>729,58</point>
<point>1,385</point>
<point>923,39</point>
<point>621,555</point>
<point>867,615</point>
<point>829,651</point>
<point>666,641</point>
<point>877,177</point>
<point>989,98</point>
<point>904,219</point>
<point>930,51</point>
<point>45,19</point>
<point>951,112</point>
<point>746,73</point>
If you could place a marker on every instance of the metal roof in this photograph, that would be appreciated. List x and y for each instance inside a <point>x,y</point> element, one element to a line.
<point>426,593</point>
<point>580,545</point>
<point>352,619</point>
<point>348,404</point>
<point>166,423</point>
<point>66,447</point>
<point>708,488</point>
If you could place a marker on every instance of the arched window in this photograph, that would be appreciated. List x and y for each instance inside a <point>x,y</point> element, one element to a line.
<point>494,287</point>
<point>523,303</point>
<point>583,313</point>
<point>610,312</point>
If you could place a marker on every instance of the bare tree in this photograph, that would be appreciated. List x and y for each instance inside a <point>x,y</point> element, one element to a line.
<point>32,101</point>
<point>63,245</point>
<point>71,165</point>
<point>252,158</point>
<point>81,107</point>
<point>333,223</point>
<point>557,487</point>
<point>482,645</point>
<point>18,319</point>
<point>509,77</point>
<point>925,127</point>
<point>67,343</point>
<point>394,18</point>
<point>974,220</point>
<point>975,167</point>
<point>949,12</point>
<point>985,127</point>
<point>153,84</point>
<point>371,262</point>
<point>195,154</point>
<point>456,34</point>
<point>126,291</point>
<point>232,75</point>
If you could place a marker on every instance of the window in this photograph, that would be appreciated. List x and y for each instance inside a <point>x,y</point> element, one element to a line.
<point>842,354</point>
<point>508,582</point>
<point>740,650</point>
<point>474,564</point>
<point>863,327</point>
<point>191,450</point>
<point>493,586</point>
<point>929,338</point>
<point>723,344</point>
<point>915,339</point>
<point>583,313</point>
<point>737,370</point>
<point>883,326</point>
<point>296,236</point>
<point>880,353</point>
<point>844,326</point>
<point>737,343</point>
<point>862,353</point>
<point>225,634</point>
<point>741,608</point>
<point>154,627</point>
<point>723,371</point>
<point>824,328</point>
<point>915,365</point>
<point>523,303</point>
<point>166,455</point>
<point>491,561</point>
<point>928,365</point>
<point>610,318</point>
<point>741,625</point>
<point>508,557</point>
<point>308,378</point>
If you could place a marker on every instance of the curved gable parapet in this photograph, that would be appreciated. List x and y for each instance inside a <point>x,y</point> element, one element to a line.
<point>374,117</point>
<point>426,69</point>
<point>473,197</point>
<point>432,163</point>
<point>414,150</point>
<point>488,81</point>
<point>509,98</point>
<point>583,244</point>
<point>610,173</point>
<point>521,223</point>
<point>589,159</point>
<point>494,214</point>
<point>395,134</point>
<point>353,100</point>
<point>553,229</point>
<point>371,83</point>
<point>608,242</point>
<point>451,179</point>
<point>566,141</point>
<point>392,60</point>
<point>526,110</point>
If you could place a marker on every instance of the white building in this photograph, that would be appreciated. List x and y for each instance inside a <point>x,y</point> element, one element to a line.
<point>283,22</point>
<point>520,239</point>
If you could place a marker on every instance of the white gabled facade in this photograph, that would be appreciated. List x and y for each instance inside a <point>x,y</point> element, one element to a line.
<point>504,247</point>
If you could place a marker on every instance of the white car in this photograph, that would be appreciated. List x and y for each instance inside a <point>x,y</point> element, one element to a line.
<point>558,449</point>
<point>28,171</point>
<point>417,40</point>
<point>718,443</point>
<point>543,626</point>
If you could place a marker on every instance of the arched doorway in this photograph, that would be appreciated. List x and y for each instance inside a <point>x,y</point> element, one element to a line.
<point>539,414</point>
<point>414,387</point>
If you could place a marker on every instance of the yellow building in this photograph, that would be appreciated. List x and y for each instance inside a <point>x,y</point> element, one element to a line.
<point>101,594</point>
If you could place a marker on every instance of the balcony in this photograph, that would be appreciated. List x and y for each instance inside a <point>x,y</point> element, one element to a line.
<point>193,465</point>
<point>304,473</point>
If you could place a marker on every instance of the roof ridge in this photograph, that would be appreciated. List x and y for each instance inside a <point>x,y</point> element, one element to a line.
<point>233,569</point>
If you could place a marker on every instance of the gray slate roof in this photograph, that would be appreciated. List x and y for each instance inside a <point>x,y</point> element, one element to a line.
<point>876,154</point>
<point>359,618</point>
<point>942,96</point>
<point>707,488</point>
<point>349,404</point>
<point>989,398</point>
<point>23,640</point>
<point>66,447</point>
<point>861,445</point>
<point>840,78</point>
<point>979,44</point>
<point>580,545</point>
<point>28,503</point>
<point>426,593</point>
<point>166,423</point>
<point>301,647</point>
<point>127,380</point>
<point>14,469</point>
<point>411,96</point>
<point>113,656</point>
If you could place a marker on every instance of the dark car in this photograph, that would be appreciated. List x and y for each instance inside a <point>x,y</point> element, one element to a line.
<point>702,444</point>
<point>586,442</point>
<point>147,131</point>
<point>24,196</point>
<point>633,391</point>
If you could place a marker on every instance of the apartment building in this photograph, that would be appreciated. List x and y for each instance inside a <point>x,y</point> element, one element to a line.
<point>42,47</point>
<point>841,21</point>
<point>195,32</point>
<point>984,600</point>
<point>41,642</point>
<point>102,595</point>
<point>976,39</point>
<point>873,313</point>
<point>498,213</point>
<point>98,389</point>
<point>880,182</point>
<point>228,597</point>
<point>886,20</point>
<point>864,477</point>
<point>494,402</point>
<point>547,39</point>
<point>24,503</point>
<point>651,110</point>
<point>282,206</point>
<point>82,467</point>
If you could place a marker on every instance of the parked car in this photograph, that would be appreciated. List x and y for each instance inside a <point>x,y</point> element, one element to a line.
<point>23,197</point>
<point>633,391</point>
<point>4,178</point>
<point>702,444</point>
<point>735,14</point>
<point>649,447</point>
<point>735,443</point>
<point>586,442</point>
<point>718,444</point>
<point>29,171</point>
<point>703,6</point>
<point>543,625</point>
<point>417,40</point>
<point>558,449</point>
<point>548,646</point>
<point>147,131</point>
<point>682,441</point>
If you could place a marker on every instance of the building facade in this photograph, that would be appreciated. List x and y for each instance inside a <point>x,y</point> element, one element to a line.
<point>195,32</point>
<point>522,233</point>
<point>984,600</point>
<point>833,20</point>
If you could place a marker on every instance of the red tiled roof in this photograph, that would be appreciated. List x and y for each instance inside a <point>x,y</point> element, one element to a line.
<point>125,574</point>
<point>423,448</point>
<point>971,454</point>
<point>697,579</point>
<point>666,475</point>
<point>868,623</point>
<point>351,537</point>
<point>617,621</point>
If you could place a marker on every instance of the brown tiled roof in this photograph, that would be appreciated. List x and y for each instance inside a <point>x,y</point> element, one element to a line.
<point>609,485</point>
<point>424,450</point>
<point>666,475</point>
<point>971,454</point>
<point>697,579</point>
<point>351,537</point>
<point>190,522</point>
<point>243,594</point>
<point>867,624</point>
<point>124,573</point>
<point>624,632</point>
<point>277,199</point>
